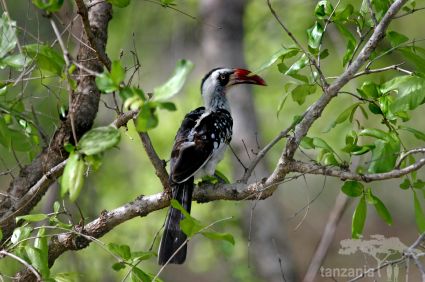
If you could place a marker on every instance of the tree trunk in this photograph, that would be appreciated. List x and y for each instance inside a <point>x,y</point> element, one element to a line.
<point>222,45</point>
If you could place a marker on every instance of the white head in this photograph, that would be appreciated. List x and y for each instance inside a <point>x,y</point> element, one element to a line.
<point>215,84</point>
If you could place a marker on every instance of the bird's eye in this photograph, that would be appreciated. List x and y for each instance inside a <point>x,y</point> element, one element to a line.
<point>222,77</point>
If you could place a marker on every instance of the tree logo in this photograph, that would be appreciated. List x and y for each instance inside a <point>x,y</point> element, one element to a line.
<point>381,249</point>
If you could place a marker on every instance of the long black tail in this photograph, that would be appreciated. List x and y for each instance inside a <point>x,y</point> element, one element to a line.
<point>173,237</point>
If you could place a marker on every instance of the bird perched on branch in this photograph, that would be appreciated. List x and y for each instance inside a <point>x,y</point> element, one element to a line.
<point>198,147</point>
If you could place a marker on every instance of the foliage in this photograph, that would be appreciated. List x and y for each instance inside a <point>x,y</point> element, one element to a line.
<point>375,120</point>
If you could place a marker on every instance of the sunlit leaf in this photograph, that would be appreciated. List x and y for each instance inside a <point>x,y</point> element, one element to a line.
<point>122,251</point>
<point>98,140</point>
<point>32,217</point>
<point>8,37</point>
<point>46,57</point>
<point>315,34</point>
<point>175,83</point>
<point>382,210</point>
<point>323,9</point>
<point>73,176</point>
<point>279,55</point>
<point>359,218</point>
<point>147,118</point>
<point>410,92</point>
<point>48,5</point>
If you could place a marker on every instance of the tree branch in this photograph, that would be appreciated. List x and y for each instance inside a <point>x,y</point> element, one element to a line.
<point>310,168</point>
<point>85,102</point>
<point>100,52</point>
<point>315,110</point>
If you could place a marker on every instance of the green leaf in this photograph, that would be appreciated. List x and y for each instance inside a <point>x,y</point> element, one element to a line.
<point>279,55</point>
<point>344,13</point>
<point>175,204</point>
<point>20,233</point>
<point>67,277</point>
<point>320,143</point>
<point>147,118</point>
<point>369,90</point>
<point>396,38</point>
<point>8,37</point>
<point>410,92</point>
<point>46,57</point>
<point>359,218</point>
<point>98,140</point>
<point>384,156</point>
<point>351,42</point>
<point>48,5</point>
<point>414,55</point>
<point>73,176</point>
<point>119,3</point>
<point>307,143</point>
<point>105,83</point>
<point>117,72</point>
<point>281,104</point>
<point>56,207</point>
<point>138,275</point>
<point>315,34</point>
<point>118,266</point>
<point>419,214</point>
<point>38,261</point>
<point>300,92</point>
<point>175,83</point>
<point>376,133</point>
<point>17,62</point>
<point>298,65</point>
<point>418,134</point>
<point>167,106</point>
<point>140,255</point>
<point>41,244</point>
<point>382,210</point>
<point>352,188</point>
<point>219,236</point>
<point>122,251</point>
<point>405,184</point>
<point>190,226</point>
<point>222,177</point>
<point>343,116</point>
<point>323,9</point>
<point>32,217</point>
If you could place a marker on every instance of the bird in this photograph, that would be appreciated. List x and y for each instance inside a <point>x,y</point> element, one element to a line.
<point>198,147</point>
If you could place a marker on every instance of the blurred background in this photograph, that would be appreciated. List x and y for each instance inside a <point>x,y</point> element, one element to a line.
<point>276,235</point>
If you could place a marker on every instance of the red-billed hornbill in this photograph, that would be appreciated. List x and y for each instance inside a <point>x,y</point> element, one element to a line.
<point>198,147</point>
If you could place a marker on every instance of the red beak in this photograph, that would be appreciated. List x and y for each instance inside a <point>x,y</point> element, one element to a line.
<point>245,76</point>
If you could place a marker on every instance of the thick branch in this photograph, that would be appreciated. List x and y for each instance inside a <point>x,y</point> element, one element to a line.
<point>144,205</point>
<point>85,102</point>
<point>100,52</point>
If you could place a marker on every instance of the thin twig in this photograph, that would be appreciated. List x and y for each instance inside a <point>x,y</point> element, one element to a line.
<point>82,10</point>
<point>309,56</point>
<point>409,12</point>
<point>395,67</point>
<point>372,13</point>
<point>26,264</point>
<point>406,154</point>
<point>157,163</point>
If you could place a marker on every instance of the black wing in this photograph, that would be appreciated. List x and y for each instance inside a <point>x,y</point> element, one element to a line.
<point>196,140</point>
